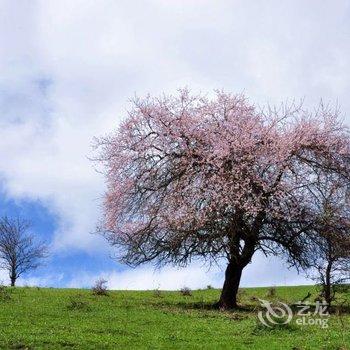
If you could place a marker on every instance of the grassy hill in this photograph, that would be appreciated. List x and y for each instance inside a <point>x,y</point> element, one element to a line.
<point>42,318</point>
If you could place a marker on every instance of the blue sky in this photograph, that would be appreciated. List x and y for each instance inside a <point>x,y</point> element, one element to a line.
<point>68,68</point>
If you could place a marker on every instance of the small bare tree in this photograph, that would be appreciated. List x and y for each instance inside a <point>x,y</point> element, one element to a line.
<point>19,252</point>
<point>329,253</point>
<point>100,287</point>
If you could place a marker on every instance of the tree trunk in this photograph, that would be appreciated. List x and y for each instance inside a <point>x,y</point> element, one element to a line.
<point>13,281</point>
<point>328,286</point>
<point>13,276</point>
<point>228,298</point>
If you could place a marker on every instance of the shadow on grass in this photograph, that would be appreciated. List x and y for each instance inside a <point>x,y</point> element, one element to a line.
<point>78,302</point>
<point>260,329</point>
<point>243,308</point>
<point>202,306</point>
<point>20,346</point>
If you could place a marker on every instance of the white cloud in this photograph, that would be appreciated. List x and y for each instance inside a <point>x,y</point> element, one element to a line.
<point>168,278</point>
<point>3,277</point>
<point>32,280</point>
<point>67,69</point>
<point>263,272</point>
<point>42,281</point>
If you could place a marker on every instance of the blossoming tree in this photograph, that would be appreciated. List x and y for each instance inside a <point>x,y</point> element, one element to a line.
<point>191,177</point>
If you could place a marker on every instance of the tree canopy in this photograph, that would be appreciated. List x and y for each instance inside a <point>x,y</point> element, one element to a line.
<point>189,176</point>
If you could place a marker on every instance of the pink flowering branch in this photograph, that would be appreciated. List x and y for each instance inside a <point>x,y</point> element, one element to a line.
<point>189,177</point>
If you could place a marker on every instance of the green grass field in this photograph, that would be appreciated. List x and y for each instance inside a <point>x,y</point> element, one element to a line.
<point>42,318</point>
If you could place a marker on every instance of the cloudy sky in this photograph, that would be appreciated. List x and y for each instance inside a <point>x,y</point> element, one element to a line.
<point>68,68</point>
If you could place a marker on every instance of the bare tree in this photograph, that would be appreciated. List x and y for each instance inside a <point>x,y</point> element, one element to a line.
<point>329,251</point>
<point>19,252</point>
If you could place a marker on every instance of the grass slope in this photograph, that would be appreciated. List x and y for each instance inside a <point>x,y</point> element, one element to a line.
<point>40,318</point>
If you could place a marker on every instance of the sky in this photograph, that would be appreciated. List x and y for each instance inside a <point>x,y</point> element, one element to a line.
<point>68,70</point>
